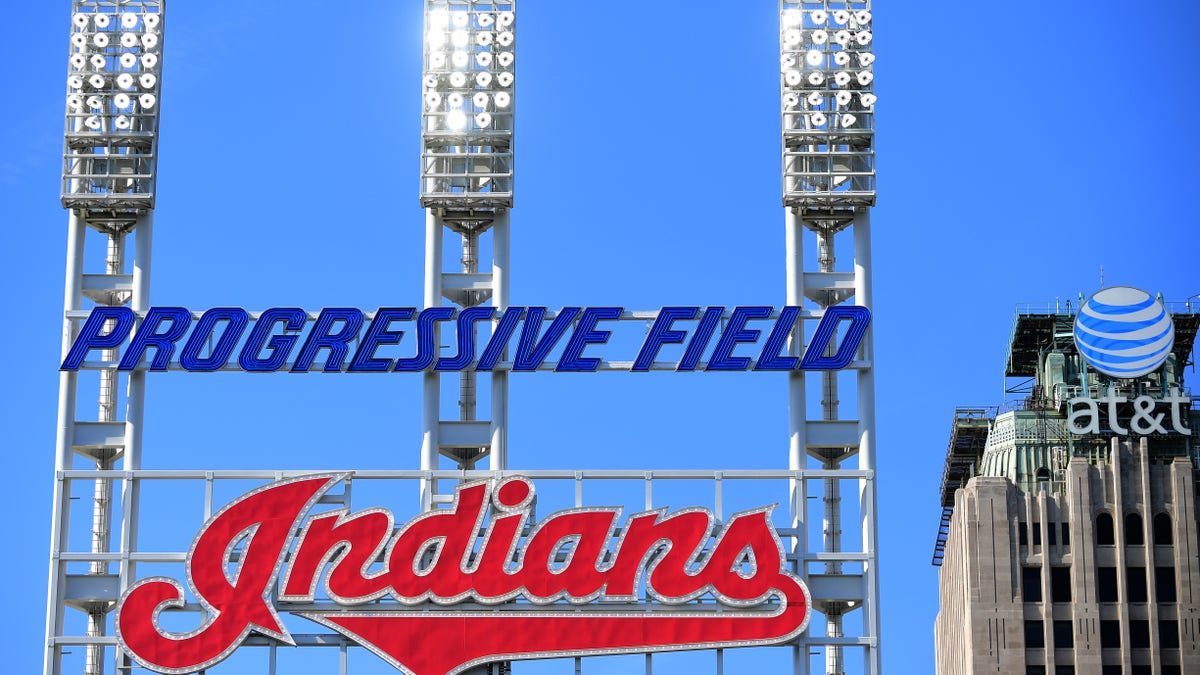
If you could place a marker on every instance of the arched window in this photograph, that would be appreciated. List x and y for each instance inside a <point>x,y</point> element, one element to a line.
<point>1133,530</point>
<point>1162,529</point>
<point>1043,474</point>
<point>1104,530</point>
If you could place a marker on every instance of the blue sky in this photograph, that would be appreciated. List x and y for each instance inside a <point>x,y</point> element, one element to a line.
<point>1019,151</point>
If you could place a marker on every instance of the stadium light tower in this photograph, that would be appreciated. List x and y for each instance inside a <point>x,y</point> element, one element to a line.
<point>108,183</point>
<point>467,187</point>
<point>827,107</point>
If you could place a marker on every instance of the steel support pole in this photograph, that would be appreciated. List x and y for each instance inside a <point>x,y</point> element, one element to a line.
<point>866,443</point>
<point>498,457</point>
<point>67,386</point>
<point>431,406</point>
<point>797,412</point>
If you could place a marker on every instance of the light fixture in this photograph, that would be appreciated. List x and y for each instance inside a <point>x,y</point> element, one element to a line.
<point>483,39</point>
<point>99,62</point>
<point>75,82</point>
<point>431,81</point>
<point>80,20</point>
<point>486,20</point>
<point>502,99</point>
<point>868,100</point>
<point>819,16</point>
<point>122,122</point>
<point>460,59</point>
<point>151,21</point>
<point>787,62</point>
<point>100,40</point>
<point>458,79</point>
<point>128,60</point>
<point>456,120</point>
<point>78,61</point>
<point>102,21</point>
<point>814,57</point>
<point>842,37</point>
<point>818,119</point>
<point>816,79</point>
<point>129,40</point>
<point>863,37</point>
<point>455,100</point>
<point>842,78</point>
<point>437,39</point>
<point>865,77</point>
<point>480,100</point>
<point>791,100</point>
<point>483,120</point>
<point>792,17</point>
<point>505,38</point>
<point>841,16</point>
<point>866,59</point>
<point>459,19</point>
<point>437,60</point>
<point>147,80</point>
<point>75,102</point>
<point>816,99</point>
<point>93,123</point>
<point>820,37</point>
<point>147,101</point>
<point>97,81</point>
<point>842,98</point>
<point>121,101</point>
<point>505,59</point>
<point>848,120</point>
<point>125,81</point>
<point>128,20</point>
<point>483,79</point>
<point>841,58</point>
<point>484,59</point>
<point>459,38</point>
<point>79,41</point>
<point>862,16</point>
<point>792,37</point>
<point>793,78</point>
<point>433,99</point>
<point>505,79</point>
<point>439,18</point>
<point>149,40</point>
<point>506,19</point>
<point>95,102</point>
<point>149,60</point>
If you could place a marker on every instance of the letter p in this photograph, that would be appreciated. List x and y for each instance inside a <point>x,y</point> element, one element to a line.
<point>90,336</point>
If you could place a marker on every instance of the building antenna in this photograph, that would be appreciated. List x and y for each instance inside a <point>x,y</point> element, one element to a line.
<point>1102,276</point>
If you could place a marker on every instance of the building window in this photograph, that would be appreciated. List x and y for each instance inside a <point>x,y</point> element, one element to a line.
<point>1164,584</point>
<point>1037,534</point>
<point>1162,529</point>
<point>1104,530</point>
<point>1064,670</point>
<point>1171,670</point>
<point>1066,534</point>
<point>1110,670</point>
<point>1168,634</point>
<point>1142,670</point>
<point>1106,584</point>
<point>1035,636</point>
<point>1035,670</point>
<point>1135,583</point>
<point>1051,532</point>
<point>1031,584</point>
<point>1139,634</point>
<point>1060,584</point>
<point>1110,634</point>
<point>1022,534</point>
<point>1133,530</point>
<point>1064,635</point>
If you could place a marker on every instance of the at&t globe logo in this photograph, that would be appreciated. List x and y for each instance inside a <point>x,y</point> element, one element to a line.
<point>1124,332</point>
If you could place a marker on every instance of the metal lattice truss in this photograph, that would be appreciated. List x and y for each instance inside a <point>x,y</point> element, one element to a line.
<point>468,104</point>
<point>827,103</point>
<point>111,135</point>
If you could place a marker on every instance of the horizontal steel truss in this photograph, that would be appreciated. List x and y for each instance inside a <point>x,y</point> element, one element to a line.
<point>83,588</point>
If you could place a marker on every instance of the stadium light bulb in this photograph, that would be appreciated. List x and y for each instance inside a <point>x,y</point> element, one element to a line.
<point>122,122</point>
<point>814,57</point>
<point>455,100</point>
<point>93,123</point>
<point>97,81</point>
<point>867,99</point>
<point>439,18</point>
<point>129,40</point>
<point>505,59</point>
<point>842,78</point>
<point>506,19</point>
<point>95,102</point>
<point>149,60</point>
<point>98,61</point>
<point>505,38</point>
<point>436,39</point>
<point>456,120</point>
<point>151,21</point>
<point>843,98</point>
<point>816,79</point>
<point>791,99</point>
<point>79,41</point>
<point>483,39</point>
<point>793,78</point>
<point>80,20</point>
<point>460,19</point>
<point>820,37</point>
<point>866,59</point>
<point>862,16</point>
<point>483,120</point>
<point>128,20</point>
<point>147,101</point>
<point>121,101</point>
<point>75,102</point>
<point>100,40</point>
<point>483,79</point>
<point>458,79</point>
<point>818,119</point>
<point>819,17</point>
<point>502,99</point>
<point>149,40</point>
<point>505,79</point>
<point>792,37</point>
<point>459,38</point>
<point>865,77</point>
<point>848,120</point>
<point>486,20</point>
<point>816,99</point>
<point>431,81</point>
<point>480,100</point>
<point>433,100</point>
<point>484,59</point>
<point>840,17</point>
<point>792,17</point>
<point>128,60</point>
<point>437,60</point>
<point>841,58</point>
<point>460,59</point>
<point>102,21</point>
<point>78,61</point>
<point>125,81</point>
<point>842,37</point>
<point>787,62</point>
<point>75,82</point>
<point>863,37</point>
<point>147,80</point>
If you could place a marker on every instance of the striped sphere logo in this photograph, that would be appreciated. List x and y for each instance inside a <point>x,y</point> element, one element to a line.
<point>1124,332</point>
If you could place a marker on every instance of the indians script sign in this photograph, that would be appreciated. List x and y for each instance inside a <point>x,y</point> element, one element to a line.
<point>478,582</point>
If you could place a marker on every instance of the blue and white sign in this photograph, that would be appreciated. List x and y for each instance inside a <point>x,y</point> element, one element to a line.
<point>1124,332</point>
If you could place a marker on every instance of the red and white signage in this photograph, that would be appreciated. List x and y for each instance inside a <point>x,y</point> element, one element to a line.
<point>475,583</point>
